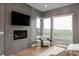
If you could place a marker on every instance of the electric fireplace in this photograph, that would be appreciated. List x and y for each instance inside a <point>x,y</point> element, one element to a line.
<point>20,34</point>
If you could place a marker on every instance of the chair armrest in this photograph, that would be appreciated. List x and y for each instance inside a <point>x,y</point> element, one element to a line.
<point>41,41</point>
<point>49,39</point>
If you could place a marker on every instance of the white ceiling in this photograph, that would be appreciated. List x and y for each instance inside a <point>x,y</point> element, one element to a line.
<point>41,6</point>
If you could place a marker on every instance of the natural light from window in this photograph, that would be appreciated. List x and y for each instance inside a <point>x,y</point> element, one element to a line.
<point>38,26</point>
<point>47,27</point>
<point>63,23</point>
<point>62,29</point>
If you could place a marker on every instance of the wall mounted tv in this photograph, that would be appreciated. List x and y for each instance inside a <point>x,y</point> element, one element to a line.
<point>20,19</point>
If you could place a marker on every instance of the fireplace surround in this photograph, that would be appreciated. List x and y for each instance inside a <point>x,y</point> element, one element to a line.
<point>20,34</point>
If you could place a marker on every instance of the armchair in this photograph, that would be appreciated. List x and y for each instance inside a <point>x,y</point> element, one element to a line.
<point>45,42</point>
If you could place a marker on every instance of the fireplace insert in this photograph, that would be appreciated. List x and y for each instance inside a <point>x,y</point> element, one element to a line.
<point>20,34</point>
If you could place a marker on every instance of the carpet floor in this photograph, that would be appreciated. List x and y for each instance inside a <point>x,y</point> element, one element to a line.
<point>54,50</point>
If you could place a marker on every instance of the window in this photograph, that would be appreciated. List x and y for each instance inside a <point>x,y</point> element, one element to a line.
<point>38,26</point>
<point>46,27</point>
<point>62,30</point>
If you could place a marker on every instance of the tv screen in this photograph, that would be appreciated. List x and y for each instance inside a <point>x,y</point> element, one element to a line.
<point>20,19</point>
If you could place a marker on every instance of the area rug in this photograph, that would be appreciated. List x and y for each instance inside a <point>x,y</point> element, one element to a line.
<point>54,50</point>
<point>68,53</point>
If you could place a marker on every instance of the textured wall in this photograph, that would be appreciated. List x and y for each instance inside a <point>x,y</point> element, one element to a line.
<point>11,45</point>
<point>1,29</point>
<point>68,10</point>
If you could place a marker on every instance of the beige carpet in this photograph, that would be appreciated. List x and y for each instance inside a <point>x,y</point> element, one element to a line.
<point>69,53</point>
<point>54,50</point>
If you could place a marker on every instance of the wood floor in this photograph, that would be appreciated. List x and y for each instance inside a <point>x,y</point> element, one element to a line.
<point>39,51</point>
<point>31,51</point>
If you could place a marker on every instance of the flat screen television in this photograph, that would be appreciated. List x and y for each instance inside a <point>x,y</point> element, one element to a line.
<point>20,19</point>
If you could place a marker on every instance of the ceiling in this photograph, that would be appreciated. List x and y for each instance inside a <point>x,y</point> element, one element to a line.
<point>48,6</point>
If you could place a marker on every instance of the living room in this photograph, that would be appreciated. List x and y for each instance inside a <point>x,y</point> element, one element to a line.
<point>11,29</point>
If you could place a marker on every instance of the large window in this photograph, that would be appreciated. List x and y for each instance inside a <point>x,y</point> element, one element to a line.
<point>38,26</point>
<point>62,29</point>
<point>46,27</point>
<point>59,29</point>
